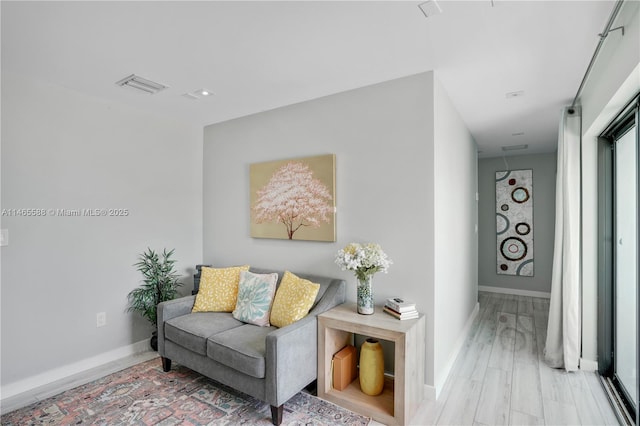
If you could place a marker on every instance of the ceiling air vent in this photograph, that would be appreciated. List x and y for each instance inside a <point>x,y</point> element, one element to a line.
<point>141,84</point>
<point>515,147</point>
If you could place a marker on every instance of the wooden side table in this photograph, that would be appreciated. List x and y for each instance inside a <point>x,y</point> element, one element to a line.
<point>403,392</point>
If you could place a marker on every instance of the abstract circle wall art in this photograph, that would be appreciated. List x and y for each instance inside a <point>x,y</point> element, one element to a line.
<point>513,248</point>
<point>523,228</point>
<point>514,222</point>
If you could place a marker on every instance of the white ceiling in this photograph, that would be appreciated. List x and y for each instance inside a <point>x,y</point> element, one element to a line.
<point>256,56</point>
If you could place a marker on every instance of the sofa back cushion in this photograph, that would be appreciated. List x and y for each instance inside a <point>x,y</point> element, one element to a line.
<point>322,280</point>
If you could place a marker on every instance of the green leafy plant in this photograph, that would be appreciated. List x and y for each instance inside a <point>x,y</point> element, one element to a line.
<point>160,284</point>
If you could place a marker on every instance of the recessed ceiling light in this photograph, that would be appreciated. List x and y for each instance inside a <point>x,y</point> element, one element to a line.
<point>430,8</point>
<point>141,84</point>
<point>200,93</point>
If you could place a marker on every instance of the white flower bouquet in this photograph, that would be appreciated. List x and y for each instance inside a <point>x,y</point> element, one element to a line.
<point>363,259</point>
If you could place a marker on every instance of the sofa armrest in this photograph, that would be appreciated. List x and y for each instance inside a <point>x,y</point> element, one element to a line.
<point>291,359</point>
<point>171,309</point>
<point>292,351</point>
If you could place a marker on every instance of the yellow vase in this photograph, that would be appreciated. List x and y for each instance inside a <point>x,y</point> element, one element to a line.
<point>371,367</point>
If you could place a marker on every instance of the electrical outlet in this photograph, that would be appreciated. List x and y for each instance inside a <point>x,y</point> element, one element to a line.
<point>4,237</point>
<point>101,319</point>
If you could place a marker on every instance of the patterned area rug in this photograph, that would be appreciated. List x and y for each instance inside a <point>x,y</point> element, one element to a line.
<point>145,395</point>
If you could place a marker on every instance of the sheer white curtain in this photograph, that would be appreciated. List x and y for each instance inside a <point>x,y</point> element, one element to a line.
<point>562,349</point>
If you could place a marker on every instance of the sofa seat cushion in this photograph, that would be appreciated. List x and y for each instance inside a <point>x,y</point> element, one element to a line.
<point>242,348</point>
<point>192,330</point>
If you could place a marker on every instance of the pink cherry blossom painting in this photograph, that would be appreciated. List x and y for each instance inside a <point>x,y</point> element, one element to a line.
<point>294,199</point>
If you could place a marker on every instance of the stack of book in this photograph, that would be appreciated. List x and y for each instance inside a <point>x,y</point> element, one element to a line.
<point>401,309</point>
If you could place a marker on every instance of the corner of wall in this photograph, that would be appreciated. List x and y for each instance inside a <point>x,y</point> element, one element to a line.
<point>455,219</point>
<point>443,376</point>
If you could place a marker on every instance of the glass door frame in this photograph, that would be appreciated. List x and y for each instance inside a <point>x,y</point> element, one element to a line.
<point>629,117</point>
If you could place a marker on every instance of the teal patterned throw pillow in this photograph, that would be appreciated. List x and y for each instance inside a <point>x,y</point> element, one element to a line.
<point>255,296</point>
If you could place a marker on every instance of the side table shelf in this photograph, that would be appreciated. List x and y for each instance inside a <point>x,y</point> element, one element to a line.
<point>402,393</point>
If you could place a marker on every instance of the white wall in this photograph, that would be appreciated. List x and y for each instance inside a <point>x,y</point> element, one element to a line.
<point>456,240</point>
<point>544,201</point>
<point>614,80</point>
<point>65,150</point>
<point>383,138</point>
<point>1,223</point>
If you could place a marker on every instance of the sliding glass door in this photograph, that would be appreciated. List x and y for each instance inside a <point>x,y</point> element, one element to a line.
<point>618,296</point>
<point>626,265</point>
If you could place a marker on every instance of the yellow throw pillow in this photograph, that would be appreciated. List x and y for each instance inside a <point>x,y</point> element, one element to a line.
<point>218,290</point>
<point>294,298</point>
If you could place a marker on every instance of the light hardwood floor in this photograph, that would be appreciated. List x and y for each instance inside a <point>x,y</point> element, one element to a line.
<point>500,376</point>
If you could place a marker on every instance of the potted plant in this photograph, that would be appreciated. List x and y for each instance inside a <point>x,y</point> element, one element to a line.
<point>160,283</point>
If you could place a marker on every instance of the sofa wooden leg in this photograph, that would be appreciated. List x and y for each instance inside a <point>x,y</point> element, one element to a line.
<point>312,388</point>
<point>166,364</point>
<point>276,414</point>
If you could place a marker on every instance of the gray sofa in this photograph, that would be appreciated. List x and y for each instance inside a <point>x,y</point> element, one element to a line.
<point>268,363</point>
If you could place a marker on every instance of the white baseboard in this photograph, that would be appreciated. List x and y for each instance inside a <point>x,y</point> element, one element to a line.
<point>434,392</point>
<point>430,392</point>
<point>515,291</point>
<point>588,364</point>
<point>44,385</point>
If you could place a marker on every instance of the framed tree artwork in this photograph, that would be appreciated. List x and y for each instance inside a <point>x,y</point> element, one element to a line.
<point>294,199</point>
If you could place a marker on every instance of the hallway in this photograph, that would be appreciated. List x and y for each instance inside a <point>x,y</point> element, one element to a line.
<point>500,376</point>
